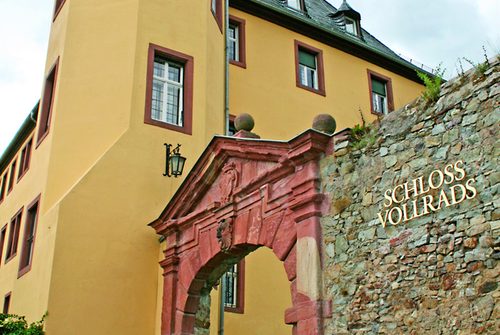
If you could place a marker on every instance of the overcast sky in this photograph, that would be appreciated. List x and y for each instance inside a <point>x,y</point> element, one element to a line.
<point>430,32</point>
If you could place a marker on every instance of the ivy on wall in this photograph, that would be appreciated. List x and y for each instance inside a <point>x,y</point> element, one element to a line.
<point>11,324</point>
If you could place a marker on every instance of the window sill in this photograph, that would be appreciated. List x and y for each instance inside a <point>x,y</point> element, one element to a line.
<point>238,310</point>
<point>168,126</point>
<point>238,63</point>
<point>23,271</point>
<point>317,91</point>
<point>22,175</point>
<point>10,257</point>
<point>41,138</point>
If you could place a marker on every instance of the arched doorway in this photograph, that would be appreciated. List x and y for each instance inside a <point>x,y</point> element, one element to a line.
<point>255,298</point>
<point>240,195</point>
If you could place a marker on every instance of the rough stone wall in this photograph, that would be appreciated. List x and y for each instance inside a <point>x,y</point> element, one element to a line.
<point>435,274</point>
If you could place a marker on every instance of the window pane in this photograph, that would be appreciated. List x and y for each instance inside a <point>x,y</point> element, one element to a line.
<point>350,26</point>
<point>232,32</point>
<point>307,59</point>
<point>173,95</point>
<point>308,77</point>
<point>174,73</point>
<point>159,68</point>
<point>311,78</point>
<point>379,103</point>
<point>294,4</point>
<point>157,100</point>
<point>233,43</point>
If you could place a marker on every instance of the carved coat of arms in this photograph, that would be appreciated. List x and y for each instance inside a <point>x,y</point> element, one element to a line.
<point>225,234</point>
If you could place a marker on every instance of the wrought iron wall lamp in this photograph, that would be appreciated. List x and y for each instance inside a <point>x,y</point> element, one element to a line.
<point>174,162</point>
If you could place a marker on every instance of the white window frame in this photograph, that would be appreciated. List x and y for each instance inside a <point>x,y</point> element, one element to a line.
<point>380,102</point>
<point>236,41</point>
<point>232,273</point>
<point>304,69</point>
<point>213,6</point>
<point>166,84</point>
<point>352,23</point>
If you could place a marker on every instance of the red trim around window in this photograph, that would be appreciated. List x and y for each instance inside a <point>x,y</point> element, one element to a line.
<point>240,23</point>
<point>240,290</point>
<point>57,8</point>
<point>3,235</point>
<point>15,226</point>
<point>3,187</point>
<point>6,303</point>
<point>27,250</point>
<point>12,176</point>
<point>47,105</point>
<point>24,164</point>
<point>319,61</point>
<point>218,13</point>
<point>388,86</point>
<point>188,62</point>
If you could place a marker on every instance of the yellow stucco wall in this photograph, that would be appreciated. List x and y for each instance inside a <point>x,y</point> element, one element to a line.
<point>267,296</point>
<point>95,267</point>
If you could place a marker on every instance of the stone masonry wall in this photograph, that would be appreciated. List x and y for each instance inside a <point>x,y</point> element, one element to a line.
<point>437,273</point>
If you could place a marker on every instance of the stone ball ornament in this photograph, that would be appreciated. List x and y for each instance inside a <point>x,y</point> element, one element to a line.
<point>244,121</point>
<point>324,123</point>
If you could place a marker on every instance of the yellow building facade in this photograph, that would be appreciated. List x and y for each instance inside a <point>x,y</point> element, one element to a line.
<point>83,176</point>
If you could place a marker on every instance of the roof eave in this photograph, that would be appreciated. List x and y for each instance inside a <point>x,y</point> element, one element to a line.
<point>21,135</point>
<point>343,42</point>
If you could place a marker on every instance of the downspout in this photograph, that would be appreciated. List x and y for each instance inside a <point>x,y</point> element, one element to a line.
<point>226,66</point>
<point>221,304</point>
<point>226,132</point>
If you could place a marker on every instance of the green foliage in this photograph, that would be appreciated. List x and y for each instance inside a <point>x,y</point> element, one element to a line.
<point>480,68</point>
<point>362,136</point>
<point>432,84</point>
<point>11,324</point>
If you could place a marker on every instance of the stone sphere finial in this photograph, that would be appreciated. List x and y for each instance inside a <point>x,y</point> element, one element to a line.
<point>244,121</point>
<point>324,123</point>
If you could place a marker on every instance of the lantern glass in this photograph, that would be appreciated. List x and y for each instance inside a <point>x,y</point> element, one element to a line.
<point>177,164</point>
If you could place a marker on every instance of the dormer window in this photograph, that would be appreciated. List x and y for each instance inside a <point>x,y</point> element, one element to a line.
<point>348,19</point>
<point>351,26</point>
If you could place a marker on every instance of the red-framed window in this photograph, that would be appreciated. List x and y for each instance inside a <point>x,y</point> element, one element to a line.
<point>3,187</point>
<point>12,176</point>
<point>234,298</point>
<point>29,236</point>
<point>309,68</point>
<point>15,226</point>
<point>57,7</point>
<point>6,303</point>
<point>24,163</point>
<point>381,96</point>
<point>236,41</point>
<point>169,89</point>
<point>47,104</point>
<point>3,235</point>
<point>216,9</point>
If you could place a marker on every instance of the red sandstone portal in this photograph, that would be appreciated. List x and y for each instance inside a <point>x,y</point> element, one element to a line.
<point>240,195</point>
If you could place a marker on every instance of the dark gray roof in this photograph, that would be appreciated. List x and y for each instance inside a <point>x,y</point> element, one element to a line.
<point>318,13</point>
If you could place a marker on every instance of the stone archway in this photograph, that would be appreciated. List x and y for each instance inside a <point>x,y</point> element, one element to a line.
<point>240,195</point>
